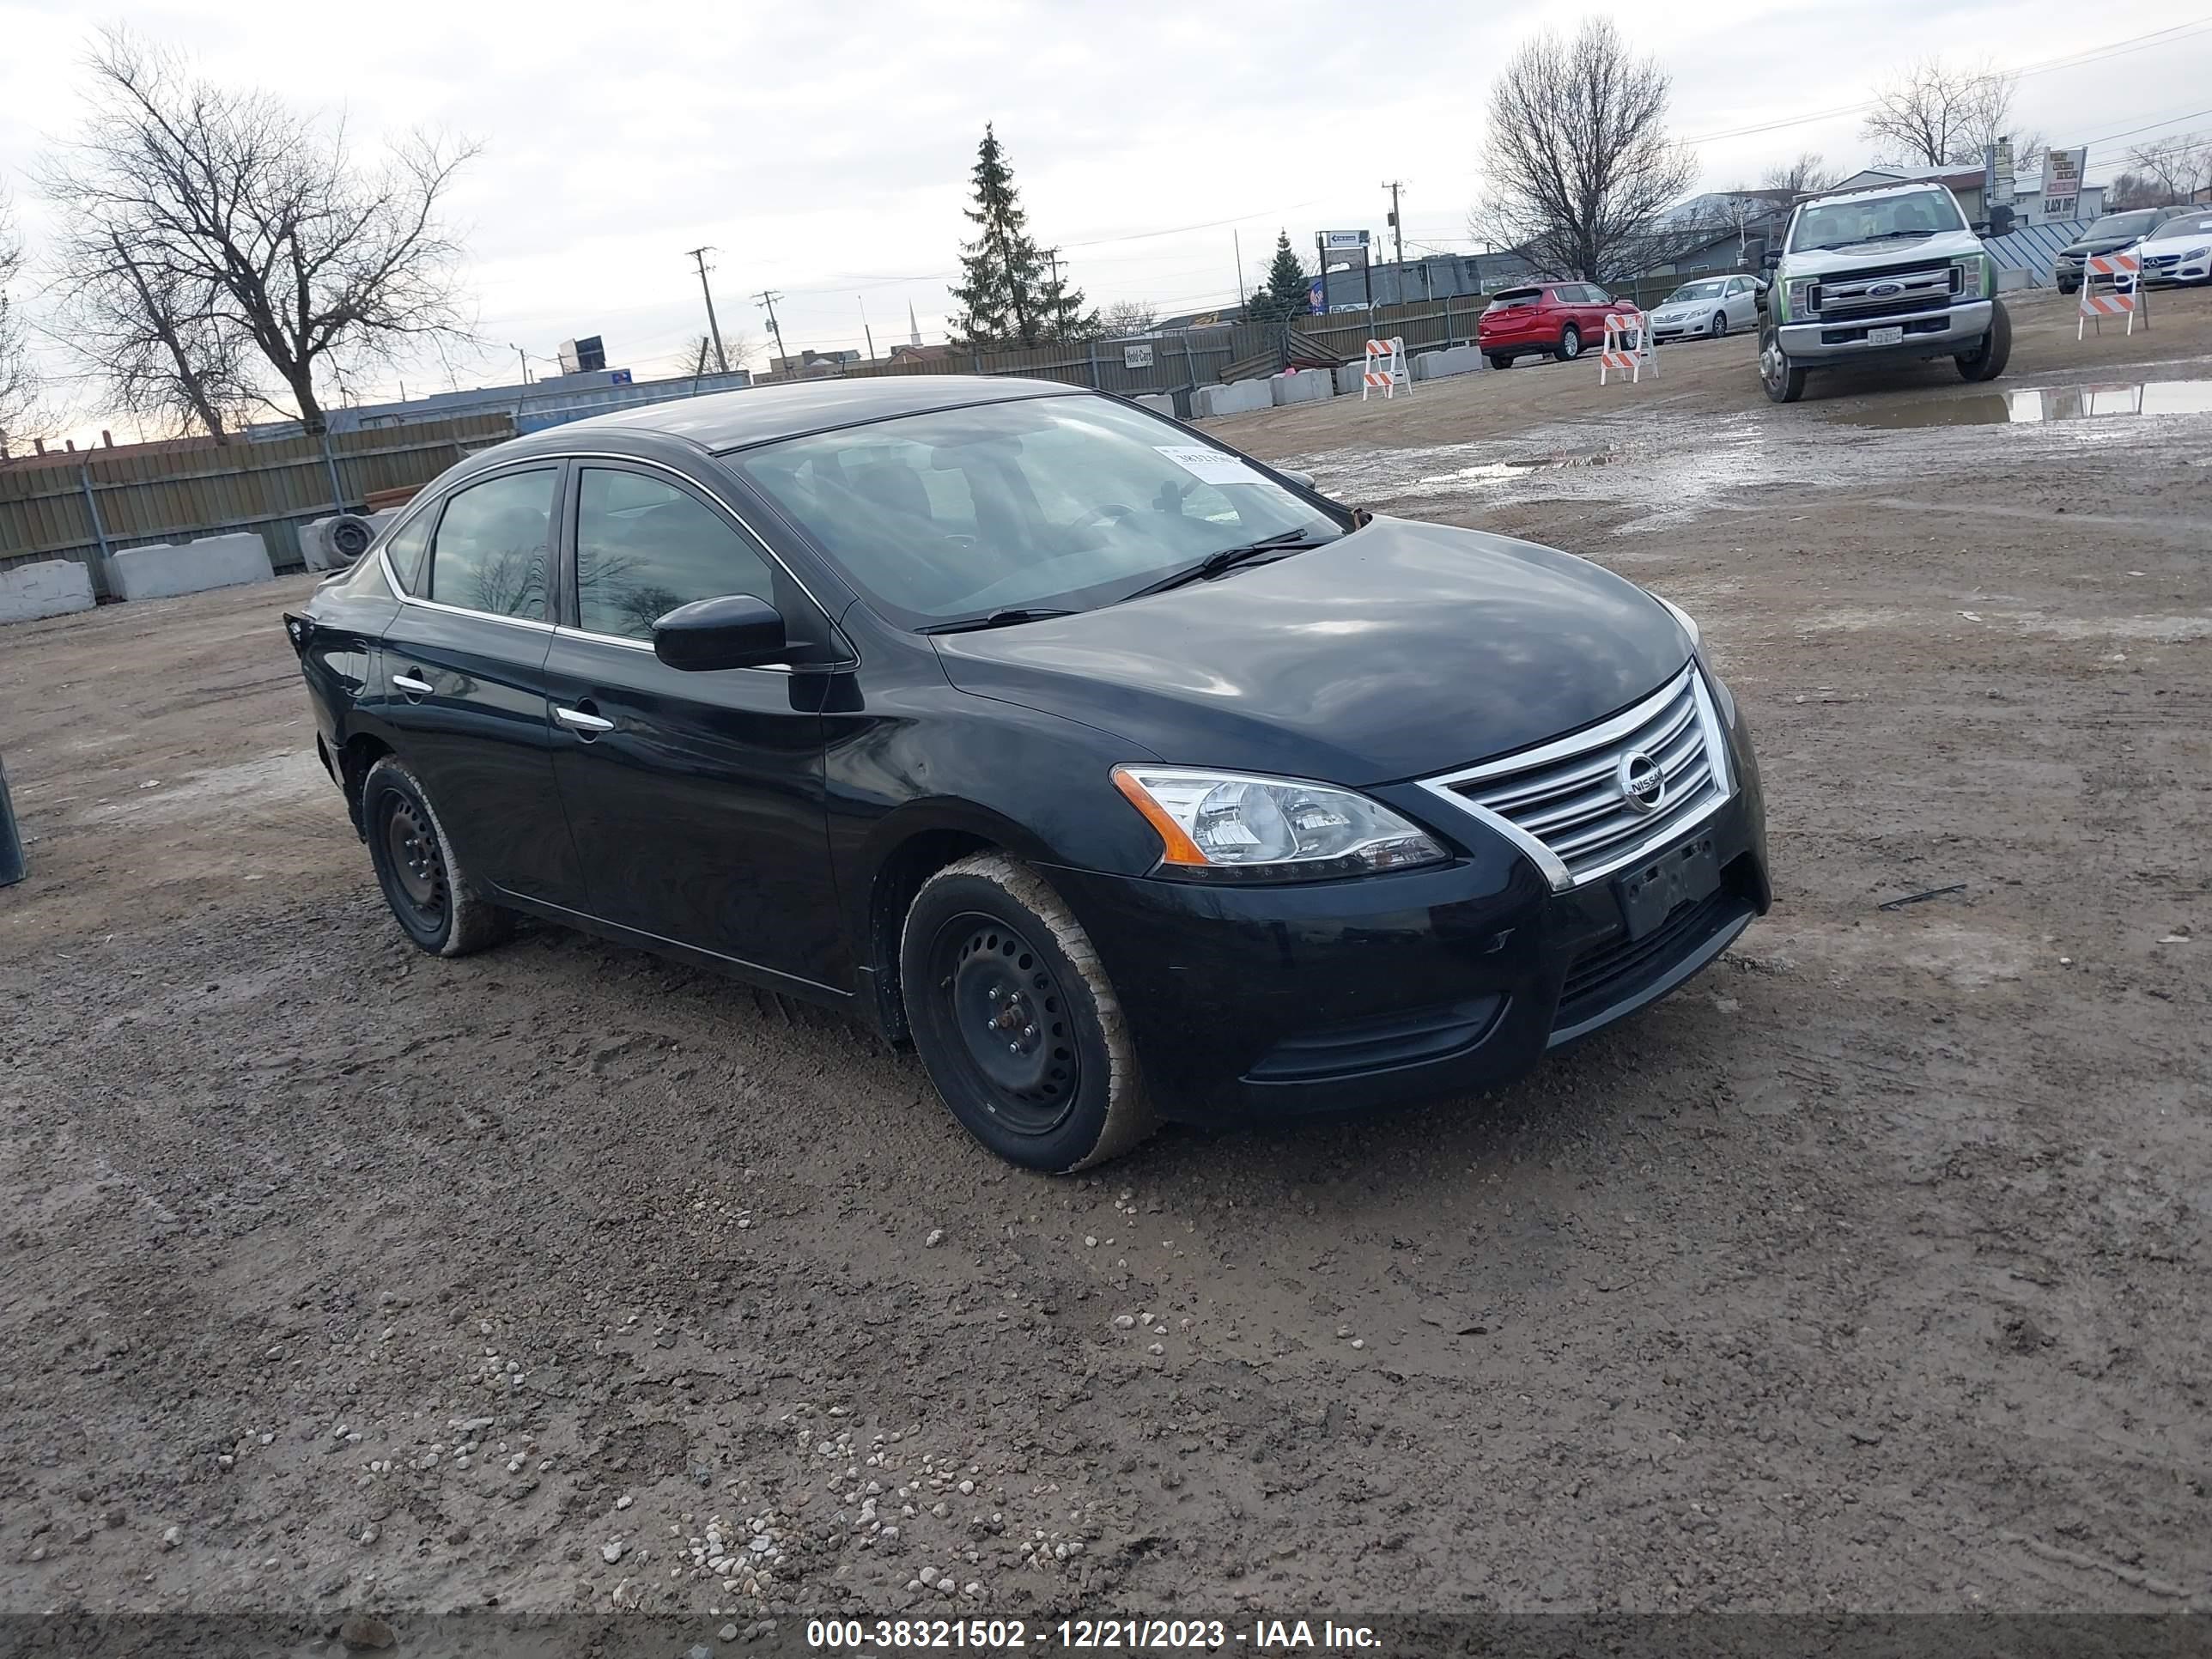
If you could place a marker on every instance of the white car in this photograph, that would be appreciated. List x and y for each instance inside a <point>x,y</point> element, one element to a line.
<point>1710,307</point>
<point>2179,250</point>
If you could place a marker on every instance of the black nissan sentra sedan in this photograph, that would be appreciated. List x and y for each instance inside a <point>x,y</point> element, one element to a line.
<point>1121,775</point>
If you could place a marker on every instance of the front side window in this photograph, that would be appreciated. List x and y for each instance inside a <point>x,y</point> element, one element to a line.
<point>1057,503</point>
<point>1848,221</point>
<point>644,547</point>
<point>489,553</point>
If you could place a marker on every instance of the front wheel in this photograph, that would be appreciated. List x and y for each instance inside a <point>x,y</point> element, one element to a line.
<point>1987,361</point>
<point>1720,324</point>
<point>1784,381</point>
<point>1571,344</point>
<point>1015,1021</point>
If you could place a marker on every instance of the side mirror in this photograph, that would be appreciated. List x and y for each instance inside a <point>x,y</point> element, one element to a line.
<point>737,631</point>
<point>1303,480</point>
<point>1770,259</point>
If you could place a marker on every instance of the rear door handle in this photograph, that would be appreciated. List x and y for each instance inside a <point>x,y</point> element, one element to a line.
<point>411,686</point>
<point>577,719</point>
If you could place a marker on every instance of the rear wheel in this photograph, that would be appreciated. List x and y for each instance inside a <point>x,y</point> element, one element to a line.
<point>1987,361</point>
<point>1784,380</point>
<point>1015,1020</point>
<point>1571,344</point>
<point>1501,360</point>
<point>424,882</point>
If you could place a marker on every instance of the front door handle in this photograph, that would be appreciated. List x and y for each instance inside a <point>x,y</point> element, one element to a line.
<point>411,686</point>
<point>583,722</point>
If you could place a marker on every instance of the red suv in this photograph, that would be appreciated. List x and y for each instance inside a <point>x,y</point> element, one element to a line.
<point>1555,320</point>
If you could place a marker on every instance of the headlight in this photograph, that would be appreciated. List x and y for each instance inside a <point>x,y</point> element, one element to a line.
<point>1804,296</point>
<point>1230,826</point>
<point>2196,252</point>
<point>1723,699</point>
<point>1969,277</point>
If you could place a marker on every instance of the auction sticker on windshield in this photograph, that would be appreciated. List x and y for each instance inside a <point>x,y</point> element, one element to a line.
<point>1209,466</point>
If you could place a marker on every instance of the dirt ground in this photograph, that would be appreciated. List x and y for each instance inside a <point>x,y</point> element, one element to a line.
<point>1869,1271</point>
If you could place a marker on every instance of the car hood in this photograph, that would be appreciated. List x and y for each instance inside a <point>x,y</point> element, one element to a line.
<point>1880,256</point>
<point>2177,244</point>
<point>2101,245</point>
<point>1402,649</point>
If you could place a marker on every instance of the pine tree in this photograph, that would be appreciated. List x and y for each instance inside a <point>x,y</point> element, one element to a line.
<point>1000,300</point>
<point>1284,295</point>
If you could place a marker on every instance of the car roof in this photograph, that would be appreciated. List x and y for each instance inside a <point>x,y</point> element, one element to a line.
<point>732,420</point>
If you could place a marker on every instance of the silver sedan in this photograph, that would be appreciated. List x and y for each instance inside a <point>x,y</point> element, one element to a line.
<point>1711,306</point>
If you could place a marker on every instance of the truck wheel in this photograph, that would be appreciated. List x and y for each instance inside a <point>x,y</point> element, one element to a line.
<point>1987,361</point>
<point>1014,1016</point>
<point>1784,380</point>
<point>1571,344</point>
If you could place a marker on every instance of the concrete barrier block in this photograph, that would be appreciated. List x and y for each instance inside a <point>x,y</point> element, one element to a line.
<point>1452,359</point>
<point>1305,386</point>
<point>166,569</point>
<point>1348,378</point>
<point>1159,403</point>
<point>51,588</point>
<point>1237,398</point>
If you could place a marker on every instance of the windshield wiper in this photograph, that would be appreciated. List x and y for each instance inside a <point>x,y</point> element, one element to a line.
<point>996,619</point>
<point>1215,564</point>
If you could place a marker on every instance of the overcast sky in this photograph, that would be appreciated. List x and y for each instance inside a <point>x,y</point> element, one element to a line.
<point>823,148</point>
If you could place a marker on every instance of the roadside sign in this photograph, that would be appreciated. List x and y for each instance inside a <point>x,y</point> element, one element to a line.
<point>2061,181</point>
<point>1137,356</point>
<point>1997,175</point>
<point>1343,242</point>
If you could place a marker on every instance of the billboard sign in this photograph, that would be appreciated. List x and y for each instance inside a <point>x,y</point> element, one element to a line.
<point>1343,242</point>
<point>2061,181</point>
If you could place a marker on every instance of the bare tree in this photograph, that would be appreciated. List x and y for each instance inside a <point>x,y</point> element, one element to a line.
<point>1937,114</point>
<point>2175,168</point>
<point>18,390</point>
<point>155,338</point>
<point>1128,317</point>
<point>259,220</point>
<point>1808,175</point>
<point>1581,169</point>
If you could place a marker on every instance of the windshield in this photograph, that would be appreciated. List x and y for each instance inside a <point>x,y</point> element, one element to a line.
<point>2122,224</point>
<point>2195,226</point>
<point>1841,224</point>
<point>1042,503</point>
<point>1694,291</point>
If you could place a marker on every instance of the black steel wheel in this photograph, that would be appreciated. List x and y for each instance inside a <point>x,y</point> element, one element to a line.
<point>429,894</point>
<point>1014,1017</point>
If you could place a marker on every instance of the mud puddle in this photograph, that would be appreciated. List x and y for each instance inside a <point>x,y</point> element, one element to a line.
<point>2034,405</point>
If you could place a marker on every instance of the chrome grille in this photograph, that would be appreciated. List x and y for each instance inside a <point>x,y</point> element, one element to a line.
<point>1906,290</point>
<point>1565,804</point>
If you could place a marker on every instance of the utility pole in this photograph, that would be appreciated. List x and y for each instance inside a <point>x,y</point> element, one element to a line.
<point>768,297</point>
<point>721,359</point>
<point>1397,229</point>
<point>1237,243</point>
<point>869,332</point>
<point>1059,300</point>
<point>524,360</point>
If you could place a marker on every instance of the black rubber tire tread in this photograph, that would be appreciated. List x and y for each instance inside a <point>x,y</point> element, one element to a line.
<point>1128,1117</point>
<point>473,922</point>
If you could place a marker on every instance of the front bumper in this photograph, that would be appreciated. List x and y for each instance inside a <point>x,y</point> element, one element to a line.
<point>2198,270</point>
<point>1682,328</point>
<point>1925,334</point>
<point>1267,1001</point>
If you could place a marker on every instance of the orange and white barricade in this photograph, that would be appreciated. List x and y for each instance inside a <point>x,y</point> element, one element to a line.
<point>1627,347</point>
<point>2112,286</point>
<point>1385,368</point>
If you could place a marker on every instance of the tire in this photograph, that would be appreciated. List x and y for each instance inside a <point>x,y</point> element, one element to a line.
<point>1784,380</point>
<point>348,537</point>
<point>1501,360</point>
<point>428,890</point>
<point>2068,288</point>
<point>1987,361</point>
<point>988,934</point>
<point>1571,344</point>
<point>1720,324</point>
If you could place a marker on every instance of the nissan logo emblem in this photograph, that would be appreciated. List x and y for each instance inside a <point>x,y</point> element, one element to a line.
<point>1885,287</point>
<point>1642,785</point>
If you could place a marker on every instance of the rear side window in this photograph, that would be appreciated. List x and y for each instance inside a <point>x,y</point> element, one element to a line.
<point>405,550</point>
<point>489,553</point>
<point>644,547</point>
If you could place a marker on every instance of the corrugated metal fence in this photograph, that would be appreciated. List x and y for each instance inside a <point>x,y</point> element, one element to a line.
<point>97,501</point>
<point>2031,248</point>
